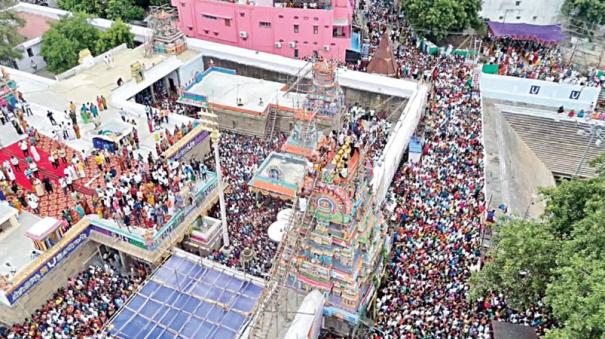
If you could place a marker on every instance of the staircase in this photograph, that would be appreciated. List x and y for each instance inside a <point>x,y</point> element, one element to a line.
<point>556,143</point>
<point>271,120</point>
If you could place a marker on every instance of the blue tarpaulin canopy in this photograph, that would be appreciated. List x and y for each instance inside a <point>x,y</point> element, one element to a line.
<point>187,299</point>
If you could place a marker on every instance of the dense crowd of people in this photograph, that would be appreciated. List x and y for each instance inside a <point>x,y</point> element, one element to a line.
<point>248,214</point>
<point>165,100</point>
<point>164,140</point>
<point>80,309</point>
<point>534,60</point>
<point>526,59</point>
<point>147,191</point>
<point>437,205</point>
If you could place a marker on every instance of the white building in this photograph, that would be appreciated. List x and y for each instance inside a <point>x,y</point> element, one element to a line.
<point>31,60</point>
<point>537,12</point>
<point>35,26</point>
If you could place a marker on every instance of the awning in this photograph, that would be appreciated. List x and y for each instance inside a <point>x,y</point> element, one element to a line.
<point>341,22</point>
<point>356,42</point>
<point>540,33</point>
<point>215,15</point>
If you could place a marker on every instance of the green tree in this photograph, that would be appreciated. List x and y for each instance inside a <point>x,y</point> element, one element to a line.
<point>576,299</point>
<point>159,2</point>
<point>585,13</point>
<point>91,7</point>
<point>9,37</point>
<point>566,204</point>
<point>62,43</point>
<point>119,33</point>
<point>124,9</point>
<point>561,257</point>
<point>522,260</point>
<point>434,18</point>
<point>598,164</point>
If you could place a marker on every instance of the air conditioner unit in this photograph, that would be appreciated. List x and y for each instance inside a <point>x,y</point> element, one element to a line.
<point>278,44</point>
<point>326,48</point>
<point>292,44</point>
<point>243,34</point>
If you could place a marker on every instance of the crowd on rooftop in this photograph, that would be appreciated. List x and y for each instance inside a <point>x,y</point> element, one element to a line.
<point>535,60</point>
<point>125,186</point>
<point>165,139</point>
<point>148,191</point>
<point>80,309</point>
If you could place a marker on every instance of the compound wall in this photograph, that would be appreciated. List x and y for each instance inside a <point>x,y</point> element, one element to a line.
<point>538,92</point>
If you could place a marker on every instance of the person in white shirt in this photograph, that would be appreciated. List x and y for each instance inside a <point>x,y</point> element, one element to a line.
<point>24,148</point>
<point>14,162</point>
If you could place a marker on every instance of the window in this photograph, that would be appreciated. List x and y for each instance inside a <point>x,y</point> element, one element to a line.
<point>227,22</point>
<point>305,18</point>
<point>535,17</point>
<point>296,28</point>
<point>30,52</point>
<point>242,14</point>
<point>315,29</point>
<point>280,16</point>
<point>518,18</point>
<point>206,31</point>
<point>517,3</point>
<point>296,53</point>
<point>215,33</point>
<point>209,17</point>
<point>264,24</point>
<point>338,32</point>
<point>316,18</point>
<point>295,17</point>
<point>501,18</point>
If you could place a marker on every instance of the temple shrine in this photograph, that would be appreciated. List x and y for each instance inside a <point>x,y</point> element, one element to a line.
<point>283,174</point>
<point>341,232</point>
<point>343,237</point>
<point>326,97</point>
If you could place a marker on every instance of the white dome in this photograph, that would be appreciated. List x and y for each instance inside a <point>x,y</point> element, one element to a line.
<point>277,229</point>
<point>285,214</point>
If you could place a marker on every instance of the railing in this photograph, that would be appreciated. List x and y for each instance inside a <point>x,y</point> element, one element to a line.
<point>188,141</point>
<point>198,77</point>
<point>152,243</point>
<point>194,97</point>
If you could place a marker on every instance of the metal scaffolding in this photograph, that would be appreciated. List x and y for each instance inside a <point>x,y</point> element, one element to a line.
<point>166,37</point>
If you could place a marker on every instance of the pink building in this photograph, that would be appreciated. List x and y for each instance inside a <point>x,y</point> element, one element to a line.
<point>292,28</point>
